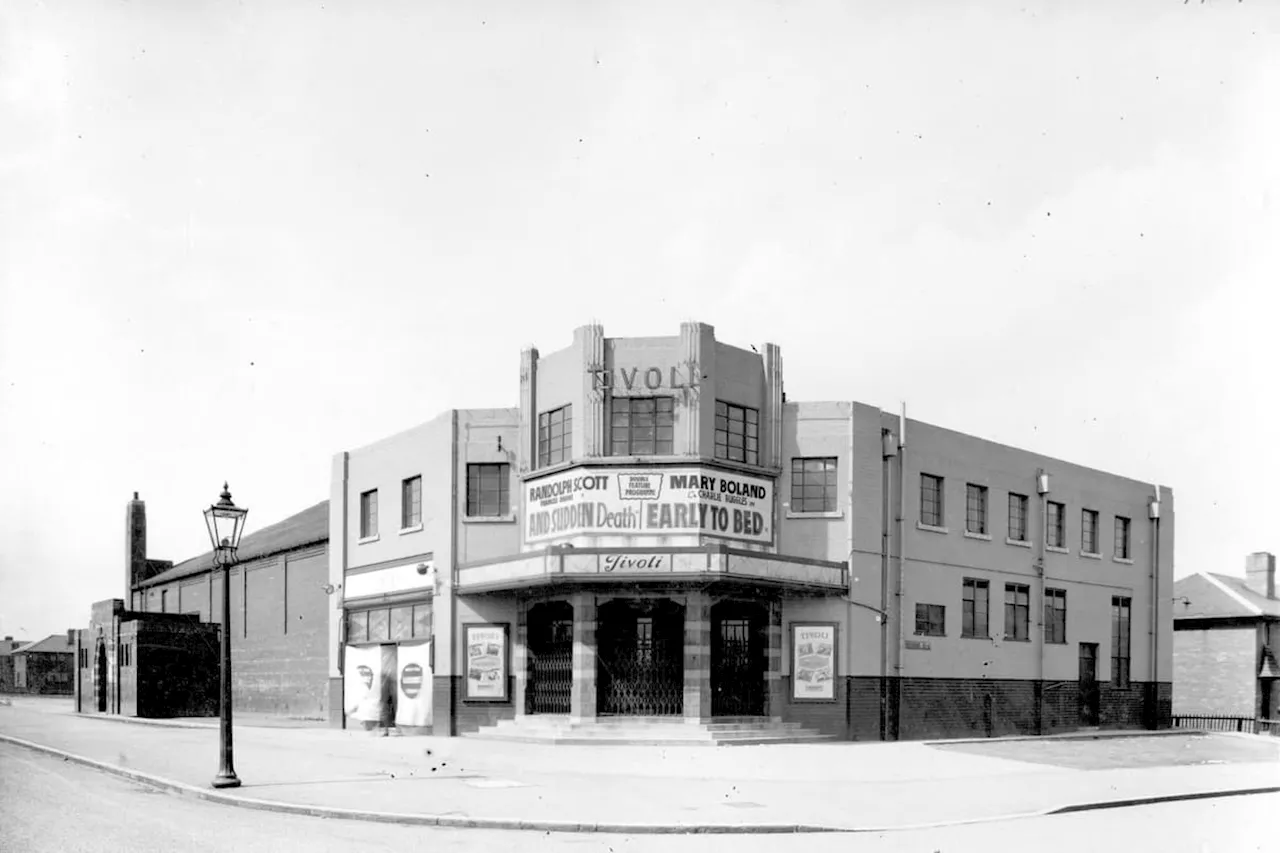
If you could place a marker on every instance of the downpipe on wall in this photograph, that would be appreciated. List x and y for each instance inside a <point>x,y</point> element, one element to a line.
<point>1042,490</point>
<point>902,562</point>
<point>1153,628</point>
<point>888,450</point>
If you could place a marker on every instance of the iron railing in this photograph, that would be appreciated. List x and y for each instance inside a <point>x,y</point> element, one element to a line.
<point>1227,723</point>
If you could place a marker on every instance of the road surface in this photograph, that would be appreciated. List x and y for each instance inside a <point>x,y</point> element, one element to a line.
<point>51,806</point>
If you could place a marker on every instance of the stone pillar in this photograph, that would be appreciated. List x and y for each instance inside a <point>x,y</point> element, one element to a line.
<point>582,697</point>
<point>520,656</point>
<point>771,421</point>
<point>528,410</point>
<point>697,658</point>
<point>588,425</point>
<point>775,699</point>
<point>698,342</point>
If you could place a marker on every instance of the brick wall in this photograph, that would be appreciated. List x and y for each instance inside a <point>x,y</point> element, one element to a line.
<point>471,716</point>
<point>279,630</point>
<point>1215,671</point>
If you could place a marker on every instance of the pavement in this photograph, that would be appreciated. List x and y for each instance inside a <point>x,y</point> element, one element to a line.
<point>300,768</point>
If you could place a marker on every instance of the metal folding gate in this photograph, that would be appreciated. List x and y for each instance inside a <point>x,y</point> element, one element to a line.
<point>550,658</point>
<point>641,658</point>
<point>739,659</point>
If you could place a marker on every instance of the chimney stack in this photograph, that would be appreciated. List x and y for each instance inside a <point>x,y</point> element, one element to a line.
<point>1260,573</point>
<point>135,546</point>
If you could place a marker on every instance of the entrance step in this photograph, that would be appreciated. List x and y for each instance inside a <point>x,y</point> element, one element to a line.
<point>649,731</point>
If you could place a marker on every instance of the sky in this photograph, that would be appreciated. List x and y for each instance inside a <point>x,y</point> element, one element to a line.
<point>236,239</point>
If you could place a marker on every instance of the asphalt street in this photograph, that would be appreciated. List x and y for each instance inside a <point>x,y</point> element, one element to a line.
<point>51,806</point>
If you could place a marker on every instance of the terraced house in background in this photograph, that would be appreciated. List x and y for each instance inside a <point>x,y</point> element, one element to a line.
<point>657,539</point>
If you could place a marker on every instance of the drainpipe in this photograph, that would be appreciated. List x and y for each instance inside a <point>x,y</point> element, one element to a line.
<point>1153,512</point>
<point>888,450</point>
<point>902,558</point>
<point>1042,489</point>
<point>847,651</point>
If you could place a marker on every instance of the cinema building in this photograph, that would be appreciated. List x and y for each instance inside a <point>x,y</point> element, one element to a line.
<point>657,539</point>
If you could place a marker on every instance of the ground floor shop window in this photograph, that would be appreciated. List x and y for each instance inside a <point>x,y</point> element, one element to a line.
<point>389,624</point>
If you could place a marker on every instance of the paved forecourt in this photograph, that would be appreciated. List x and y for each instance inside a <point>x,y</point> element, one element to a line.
<point>469,782</point>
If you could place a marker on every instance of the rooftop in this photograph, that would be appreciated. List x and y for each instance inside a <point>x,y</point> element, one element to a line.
<point>51,643</point>
<point>308,527</point>
<point>1209,595</point>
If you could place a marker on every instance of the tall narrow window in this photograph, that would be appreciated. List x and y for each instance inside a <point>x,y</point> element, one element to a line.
<point>488,490</point>
<point>642,426</point>
<point>411,502</point>
<point>555,436</point>
<point>1056,535</point>
<point>1017,611</point>
<point>164,601</point>
<point>737,433</point>
<point>975,510</point>
<point>975,607</point>
<point>1120,608</point>
<point>1089,531</point>
<point>1017,517</point>
<point>930,500</point>
<point>369,514</point>
<point>813,484</point>
<point>1055,615</point>
<point>1122,538</point>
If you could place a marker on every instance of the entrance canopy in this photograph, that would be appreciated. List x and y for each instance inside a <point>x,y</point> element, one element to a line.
<point>560,565</point>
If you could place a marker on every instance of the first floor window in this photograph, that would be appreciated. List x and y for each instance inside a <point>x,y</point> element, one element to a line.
<point>930,500</point>
<point>931,620</point>
<point>1056,535</point>
<point>1055,615</point>
<point>975,510</point>
<point>1122,538</point>
<point>369,514</point>
<point>975,605</point>
<point>1017,611</point>
<point>1017,517</point>
<point>411,502</point>
<point>488,490</point>
<point>555,436</point>
<point>813,484</point>
<point>642,426</point>
<point>1089,531</point>
<point>1120,607</point>
<point>737,433</point>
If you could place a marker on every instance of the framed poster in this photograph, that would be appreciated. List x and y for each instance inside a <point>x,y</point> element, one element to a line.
<point>813,661</point>
<point>487,662</point>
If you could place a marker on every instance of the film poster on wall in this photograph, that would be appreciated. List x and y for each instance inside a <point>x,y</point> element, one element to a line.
<point>813,661</point>
<point>487,665</point>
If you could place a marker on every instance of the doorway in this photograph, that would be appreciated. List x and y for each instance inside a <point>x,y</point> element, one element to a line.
<point>739,658</point>
<point>640,665</point>
<point>550,666</point>
<point>1089,698</point>
<point>389,695</point>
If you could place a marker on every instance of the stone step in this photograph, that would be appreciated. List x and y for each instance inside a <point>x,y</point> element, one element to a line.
<point>649,731</point>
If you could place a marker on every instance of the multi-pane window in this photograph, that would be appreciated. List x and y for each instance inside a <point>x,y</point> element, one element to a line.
<point>642,426</point>
<point>387,624</point>
<point>1120,608</point>
<point>1055,615</point>
<point>1089,531</point>
<point>813,484</point>
<point>975,508</point>
<point>975,606</point>
<point>1017,517</point>
<point>1017,611</point>
<point>1056,535</point>
<point>410,502</point>
<point>488,489</point>
<point>555,436</point>
<point>369,514</point>
<point>931,620</point>
<point>1122,538</point>
<point>737,433</point>
<point>930,500</point>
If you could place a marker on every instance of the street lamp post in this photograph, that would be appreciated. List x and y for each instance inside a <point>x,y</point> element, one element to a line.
<point>225,521</point>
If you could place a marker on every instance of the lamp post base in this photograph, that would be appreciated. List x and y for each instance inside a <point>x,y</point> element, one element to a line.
<point>226,780</point>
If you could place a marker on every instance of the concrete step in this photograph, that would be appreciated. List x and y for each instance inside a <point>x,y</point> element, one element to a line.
<point>649,731</point>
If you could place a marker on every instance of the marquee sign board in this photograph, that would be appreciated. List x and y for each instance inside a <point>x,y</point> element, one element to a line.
<point>669,501</point>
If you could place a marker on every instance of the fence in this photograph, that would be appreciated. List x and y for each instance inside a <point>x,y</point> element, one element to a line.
<point>1223,723</point>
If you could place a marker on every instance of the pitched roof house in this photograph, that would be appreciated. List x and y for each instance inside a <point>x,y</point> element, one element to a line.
<point>1225,642</point>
